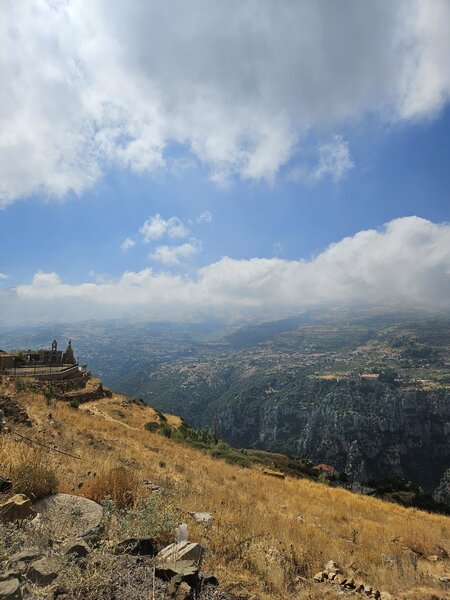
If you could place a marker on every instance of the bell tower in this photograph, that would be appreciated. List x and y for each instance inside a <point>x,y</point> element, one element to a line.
<point>69,357</point>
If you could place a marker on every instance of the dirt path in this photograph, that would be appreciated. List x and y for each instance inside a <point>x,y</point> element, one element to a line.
<point>94,408</point>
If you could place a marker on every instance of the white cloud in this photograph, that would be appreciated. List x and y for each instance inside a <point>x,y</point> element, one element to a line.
<point>172,255</point>
<point>406,263</point>
<point>156,227</point>
<point>333,160</point>
<point>127,244</point>
<point>238,85</point>
<point>4,276</point>
<point>43,281</point>
<point>204,217</point>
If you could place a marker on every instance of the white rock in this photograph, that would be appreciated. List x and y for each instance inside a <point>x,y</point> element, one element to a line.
<point>202,517</point>
<point>182,533</point>
<point>10,590</point>
<point>181,551</point>
<point>332,566</point>
<point>67,516</point>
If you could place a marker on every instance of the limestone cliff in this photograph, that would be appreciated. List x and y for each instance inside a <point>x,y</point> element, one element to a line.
<point>368,431</point>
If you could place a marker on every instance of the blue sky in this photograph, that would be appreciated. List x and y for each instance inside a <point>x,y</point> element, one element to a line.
<point>402,171</point>
<point>258,151</point>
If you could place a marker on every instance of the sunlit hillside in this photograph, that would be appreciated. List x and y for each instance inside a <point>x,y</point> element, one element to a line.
<point>269,536</point>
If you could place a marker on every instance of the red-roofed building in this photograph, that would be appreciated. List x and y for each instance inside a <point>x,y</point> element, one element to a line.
<point>327,469</point>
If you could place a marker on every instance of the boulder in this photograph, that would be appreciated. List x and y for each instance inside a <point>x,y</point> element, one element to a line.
<point>5,484</point>
<point>350,583</point>
<point>20,560</point>
<point>386,596</point>
<point>43,571</point>
<point>340,579</point>
<point>332,566</point>
<point>183,570</point>
<point>376,594</point>
<point>26,555</point>
<point>182,551</point>
<point>318,576</point>
<point>77,548</point>
<point>367,589</point>
<point>10,574</point>
<point>202,517</point>
<point>142,546</point>
<point>153,487</point>
<point>208,579</point>
<point>93,535</point>
<point>17,508</point>
<point>441,552</point>
<point>10,590</point>
<point>69,516</point>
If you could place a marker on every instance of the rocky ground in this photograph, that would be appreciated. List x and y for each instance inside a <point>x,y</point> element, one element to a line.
<point>69,547</point>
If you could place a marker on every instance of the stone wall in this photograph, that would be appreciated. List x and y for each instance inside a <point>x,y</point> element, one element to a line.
<point>93,390</point>
<point>61,387</point>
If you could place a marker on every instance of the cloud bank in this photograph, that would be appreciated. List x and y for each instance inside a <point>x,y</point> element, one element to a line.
<point>406,263</point>
<point>238,84</point>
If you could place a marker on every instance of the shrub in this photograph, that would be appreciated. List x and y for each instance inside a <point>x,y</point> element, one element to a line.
<point>34,479</point>
<point>21,384</point>
<point>231,455</point>
<point>323,478</point>
<point>152,426</point>
<point>48,395</point>
<point>119,484</point>
<point>166,430</point>
<point>150,517</point>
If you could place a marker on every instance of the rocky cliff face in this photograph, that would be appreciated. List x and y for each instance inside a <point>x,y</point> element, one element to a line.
<point>442,492</point>
<point>368,433</point>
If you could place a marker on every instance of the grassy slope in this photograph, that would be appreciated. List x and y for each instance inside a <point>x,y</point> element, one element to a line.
<point>257,537</point>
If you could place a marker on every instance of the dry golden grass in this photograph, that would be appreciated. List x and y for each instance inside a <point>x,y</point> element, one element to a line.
<point>268,535</point>
<point>32,471</point>
<point>119,484</point>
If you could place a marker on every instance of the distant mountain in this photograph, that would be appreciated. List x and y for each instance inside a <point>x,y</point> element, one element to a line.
<point>293,385</point>
<point>113,349</point>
